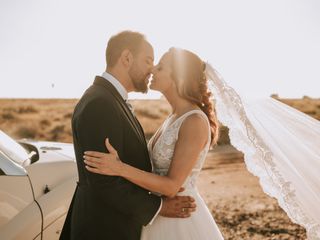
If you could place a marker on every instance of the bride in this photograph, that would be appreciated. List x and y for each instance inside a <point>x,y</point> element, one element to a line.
<point>280,144</point>
<point>178,148</point>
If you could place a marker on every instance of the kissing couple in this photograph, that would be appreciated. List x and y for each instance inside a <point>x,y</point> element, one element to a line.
<point>149,190</point>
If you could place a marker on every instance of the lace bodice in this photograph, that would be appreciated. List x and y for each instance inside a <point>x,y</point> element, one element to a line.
<point>161,152</point>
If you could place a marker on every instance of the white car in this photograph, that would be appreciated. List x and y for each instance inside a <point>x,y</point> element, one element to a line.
<point>37,182</point>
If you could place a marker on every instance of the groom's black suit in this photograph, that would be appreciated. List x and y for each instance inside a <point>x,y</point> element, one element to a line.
<point>108,207</point>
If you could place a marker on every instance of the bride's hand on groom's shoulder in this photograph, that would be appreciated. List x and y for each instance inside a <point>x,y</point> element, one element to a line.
<point>104,163</point>
<point>178,207</point>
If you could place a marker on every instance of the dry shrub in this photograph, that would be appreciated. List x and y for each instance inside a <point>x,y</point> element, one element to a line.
<point>56,132</point>
<point>68,115</point>
<point>45,122</point>
<point>310,112</point>
<point>27,109</point>
<point>21,109</point>
<point>26,132</point>
<point>8,116</point>
<point>9,109</point>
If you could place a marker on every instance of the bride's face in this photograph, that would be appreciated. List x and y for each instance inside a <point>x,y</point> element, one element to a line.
<point>161,80</point>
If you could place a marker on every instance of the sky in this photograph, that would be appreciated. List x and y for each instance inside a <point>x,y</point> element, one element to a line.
<point>55,48</point>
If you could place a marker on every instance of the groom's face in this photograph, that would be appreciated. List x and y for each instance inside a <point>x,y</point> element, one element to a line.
<point>141,68</point>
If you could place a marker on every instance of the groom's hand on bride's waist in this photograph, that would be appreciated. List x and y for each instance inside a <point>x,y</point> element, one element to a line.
<point>178,207</point>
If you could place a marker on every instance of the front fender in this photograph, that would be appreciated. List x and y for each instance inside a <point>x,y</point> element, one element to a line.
<point>25,225</point>
<point>55,203</point>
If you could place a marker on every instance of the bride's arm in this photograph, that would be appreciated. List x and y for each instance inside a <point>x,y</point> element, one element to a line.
<point>192,138</point>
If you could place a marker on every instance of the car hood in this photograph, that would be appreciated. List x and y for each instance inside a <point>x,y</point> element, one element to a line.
<point>53,151</point>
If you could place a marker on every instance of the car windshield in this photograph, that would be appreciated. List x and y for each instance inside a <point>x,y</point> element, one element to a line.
<point>12,149</point>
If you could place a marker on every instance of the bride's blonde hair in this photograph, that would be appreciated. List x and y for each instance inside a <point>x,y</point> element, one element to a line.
<point>188,72</point>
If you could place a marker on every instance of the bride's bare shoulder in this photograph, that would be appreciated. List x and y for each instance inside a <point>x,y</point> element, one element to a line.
<point>194,128</point>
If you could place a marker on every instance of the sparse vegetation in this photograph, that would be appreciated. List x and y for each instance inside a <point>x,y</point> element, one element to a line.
<point>307,105</point>
<point>45,122</point>
<point>26,132</point>
<point>56,132</point>
<point>21,109</point>
<point>37,118</point>
<point>8,116</point>
<point>27,109</point>
<point>47,115</point>
<point>68,115</point>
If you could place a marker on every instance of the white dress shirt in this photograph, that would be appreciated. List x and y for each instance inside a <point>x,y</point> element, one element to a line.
<point>123,92</point>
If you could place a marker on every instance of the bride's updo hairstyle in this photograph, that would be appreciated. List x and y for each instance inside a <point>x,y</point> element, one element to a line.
<point>188,72</point>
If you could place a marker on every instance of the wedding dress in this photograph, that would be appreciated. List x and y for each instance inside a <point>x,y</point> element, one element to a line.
<point>201,225</point>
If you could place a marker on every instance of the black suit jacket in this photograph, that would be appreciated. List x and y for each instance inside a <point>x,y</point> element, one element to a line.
<point>108,207</point>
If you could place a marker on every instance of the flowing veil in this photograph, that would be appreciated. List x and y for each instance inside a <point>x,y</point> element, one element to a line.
<point>281,146</point>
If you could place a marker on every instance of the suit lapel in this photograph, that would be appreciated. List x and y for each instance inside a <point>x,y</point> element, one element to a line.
<point>133,122</point>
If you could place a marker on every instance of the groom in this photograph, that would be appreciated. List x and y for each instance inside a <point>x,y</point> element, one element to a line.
<point>108,207</point>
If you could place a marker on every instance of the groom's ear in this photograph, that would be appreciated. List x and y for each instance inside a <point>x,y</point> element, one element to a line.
<point>126,58</point>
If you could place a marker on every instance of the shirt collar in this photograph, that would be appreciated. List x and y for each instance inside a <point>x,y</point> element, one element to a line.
<point>115,82</point>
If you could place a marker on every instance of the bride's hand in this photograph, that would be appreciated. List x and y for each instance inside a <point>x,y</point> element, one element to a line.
<point>104,163</point>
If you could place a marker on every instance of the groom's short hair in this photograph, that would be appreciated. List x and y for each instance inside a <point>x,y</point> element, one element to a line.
<point>124,40</point>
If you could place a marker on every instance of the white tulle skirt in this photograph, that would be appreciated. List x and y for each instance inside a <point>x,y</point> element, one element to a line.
<point>200,226</point>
